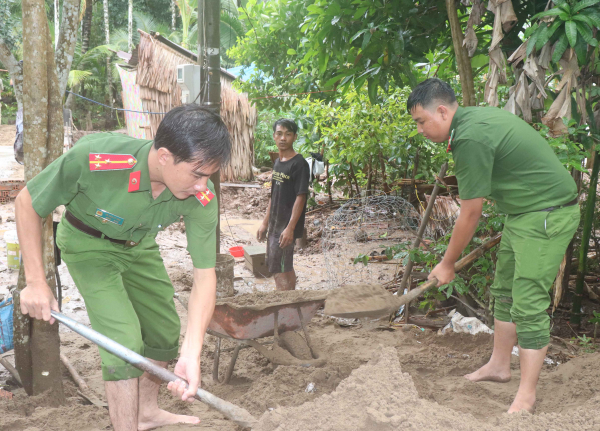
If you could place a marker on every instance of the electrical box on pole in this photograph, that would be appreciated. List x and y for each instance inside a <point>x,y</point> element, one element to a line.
<point>188,79</point>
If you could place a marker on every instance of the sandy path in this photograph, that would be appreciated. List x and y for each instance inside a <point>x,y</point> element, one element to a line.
<point>435,364</point>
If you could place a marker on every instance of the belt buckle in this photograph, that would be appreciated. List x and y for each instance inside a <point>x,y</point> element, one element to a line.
<point>130,244</point>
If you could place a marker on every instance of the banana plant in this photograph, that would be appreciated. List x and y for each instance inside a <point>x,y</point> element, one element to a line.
<point>568,24</point>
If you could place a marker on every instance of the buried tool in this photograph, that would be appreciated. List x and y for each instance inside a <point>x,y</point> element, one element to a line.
<point>231,411</point>
<point>374,301</point>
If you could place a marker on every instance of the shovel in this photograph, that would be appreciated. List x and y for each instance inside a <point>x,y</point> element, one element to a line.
<point>354,301</point>
<point>231,411</point>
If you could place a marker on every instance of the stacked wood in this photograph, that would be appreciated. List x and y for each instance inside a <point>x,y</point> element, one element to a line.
<point>444,215</point>
<point>157,78</point>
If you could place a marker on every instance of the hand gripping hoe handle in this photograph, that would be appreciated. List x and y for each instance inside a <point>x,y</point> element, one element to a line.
<point>231,411</point>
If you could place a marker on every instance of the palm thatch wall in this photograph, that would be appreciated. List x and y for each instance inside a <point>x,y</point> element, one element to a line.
<point>157,59</point>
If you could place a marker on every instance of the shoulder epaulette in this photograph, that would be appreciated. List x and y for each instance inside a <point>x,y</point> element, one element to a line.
<point>111,162</point>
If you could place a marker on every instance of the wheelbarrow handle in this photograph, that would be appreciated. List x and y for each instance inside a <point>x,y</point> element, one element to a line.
<point>231,411</point>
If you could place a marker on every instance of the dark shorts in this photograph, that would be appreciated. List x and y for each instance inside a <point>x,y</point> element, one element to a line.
<point>279,259</point>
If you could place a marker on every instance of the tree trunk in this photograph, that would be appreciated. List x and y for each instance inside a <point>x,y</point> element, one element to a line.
<point>56,23</point>
<point>386,187</point>
<point>369,176</point>
<point>328,183</point>
<point>15,71</point>
<point>173,15</point>
<point>66,43</point>
<point>108,65</point>
<point>37,345</point>
<point>588,221</point>
<point>130,28</point>
<point>463,62</point>
<point>353,177</point>
<point>86,26</point>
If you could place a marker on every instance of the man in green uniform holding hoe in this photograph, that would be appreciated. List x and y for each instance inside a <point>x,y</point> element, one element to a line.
<point>119,193</point>
<point>498,155</point>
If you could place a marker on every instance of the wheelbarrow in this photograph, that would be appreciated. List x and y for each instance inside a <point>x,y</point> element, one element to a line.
<point>245,324</point>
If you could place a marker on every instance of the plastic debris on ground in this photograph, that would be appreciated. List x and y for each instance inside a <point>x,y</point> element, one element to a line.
<point>400,313</point>
<point>468,325</point>
<point>547,360</point>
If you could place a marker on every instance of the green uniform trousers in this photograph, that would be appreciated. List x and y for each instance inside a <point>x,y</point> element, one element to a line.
<point>128,296</point>
<point>531,250</point>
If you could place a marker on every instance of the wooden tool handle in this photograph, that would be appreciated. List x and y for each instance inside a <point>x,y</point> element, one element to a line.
<point>458,266</point>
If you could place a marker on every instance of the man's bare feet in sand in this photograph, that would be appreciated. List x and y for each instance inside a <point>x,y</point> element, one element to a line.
<point>489,373</point>
<point>157,418</point>
<point>523,401</point>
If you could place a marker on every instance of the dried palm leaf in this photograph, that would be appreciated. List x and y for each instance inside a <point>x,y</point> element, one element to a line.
<point>508,16</point>
<point>470,41</point>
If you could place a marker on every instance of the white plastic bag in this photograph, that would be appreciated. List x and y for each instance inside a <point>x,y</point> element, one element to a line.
<point>469,325</point>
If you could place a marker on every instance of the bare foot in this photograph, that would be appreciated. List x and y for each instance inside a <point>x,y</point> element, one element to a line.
<point>161,418</point>
<point>523,402</point>
<point>488,373</point>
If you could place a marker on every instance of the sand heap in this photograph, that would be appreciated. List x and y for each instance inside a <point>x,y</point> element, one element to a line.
<point>379,396</point>
<point>376,396</point>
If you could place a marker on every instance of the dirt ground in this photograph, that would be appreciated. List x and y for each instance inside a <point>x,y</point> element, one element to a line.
<point>375,377</point>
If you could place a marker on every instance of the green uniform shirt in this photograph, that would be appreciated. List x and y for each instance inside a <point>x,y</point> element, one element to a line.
<point>101,199</point>
<point>498,155</point>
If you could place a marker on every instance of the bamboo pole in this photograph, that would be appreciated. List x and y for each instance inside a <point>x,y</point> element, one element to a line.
<point>588,222</point>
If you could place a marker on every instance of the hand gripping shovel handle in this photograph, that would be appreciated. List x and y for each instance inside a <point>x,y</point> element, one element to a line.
<point>231,411</point>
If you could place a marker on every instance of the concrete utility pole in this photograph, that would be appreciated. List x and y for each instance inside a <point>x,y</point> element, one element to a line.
<point>209,59</point>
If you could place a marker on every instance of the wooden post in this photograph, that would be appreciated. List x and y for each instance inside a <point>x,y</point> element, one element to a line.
<point>208,22</point>
<point>424,221</point>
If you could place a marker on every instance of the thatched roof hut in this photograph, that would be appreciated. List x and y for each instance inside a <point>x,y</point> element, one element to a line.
<point>150,81</point>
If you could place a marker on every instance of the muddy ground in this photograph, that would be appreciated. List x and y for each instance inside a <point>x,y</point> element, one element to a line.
<point>375,378</point>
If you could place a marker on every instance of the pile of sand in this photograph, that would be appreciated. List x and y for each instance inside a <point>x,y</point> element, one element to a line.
<point>379,396</point>
<point>359,300</point>
<point>263,299</point>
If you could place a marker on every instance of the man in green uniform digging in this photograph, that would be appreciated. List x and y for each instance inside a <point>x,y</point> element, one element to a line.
<point>119,193</point>
<point>499,156</point>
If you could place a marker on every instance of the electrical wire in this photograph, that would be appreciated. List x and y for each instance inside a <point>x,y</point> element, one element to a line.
<point>116,109</point>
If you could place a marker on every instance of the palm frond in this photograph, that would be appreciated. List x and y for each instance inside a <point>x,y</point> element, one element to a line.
<point>77,76</point>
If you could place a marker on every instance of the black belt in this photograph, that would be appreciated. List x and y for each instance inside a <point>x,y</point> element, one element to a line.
<point>557,207</point>
<point>78,224</point>
<point>568,204</point>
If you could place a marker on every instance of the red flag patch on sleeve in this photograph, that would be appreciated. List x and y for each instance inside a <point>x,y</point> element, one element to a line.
<point>205,197</point>
<point>134,181</point>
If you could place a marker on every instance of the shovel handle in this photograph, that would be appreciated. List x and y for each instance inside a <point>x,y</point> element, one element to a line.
<point>231,411</point>
<point>458,266</point>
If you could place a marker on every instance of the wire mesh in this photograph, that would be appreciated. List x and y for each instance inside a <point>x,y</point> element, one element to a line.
<point>365,226</point>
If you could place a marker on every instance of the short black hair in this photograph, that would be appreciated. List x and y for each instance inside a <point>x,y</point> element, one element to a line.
<point>429,91</point>
<point>288,124</point>
<point>194,134</point>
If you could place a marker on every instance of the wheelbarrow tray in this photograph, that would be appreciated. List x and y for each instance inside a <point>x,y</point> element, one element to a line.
<point>257,321</point>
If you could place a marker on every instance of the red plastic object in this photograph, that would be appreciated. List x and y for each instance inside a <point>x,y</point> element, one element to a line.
<point>237,251</point>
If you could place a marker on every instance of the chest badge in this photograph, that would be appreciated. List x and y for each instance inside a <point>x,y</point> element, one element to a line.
<point>134,181</point>
<point>205,197</point>
<point>111,162</point>
<point>106,217</point>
